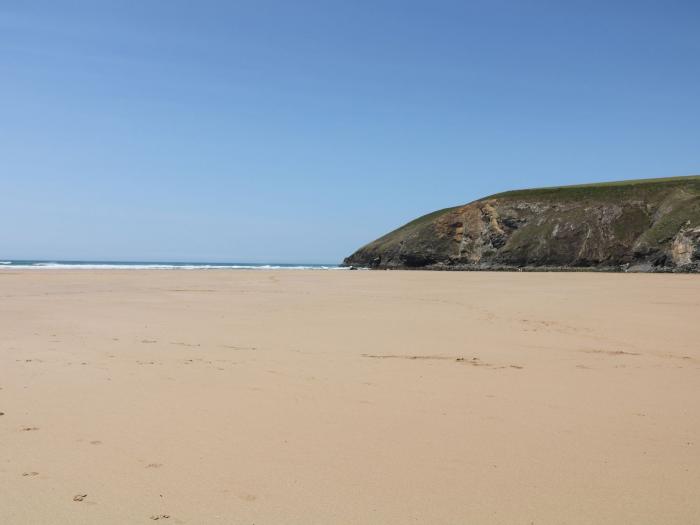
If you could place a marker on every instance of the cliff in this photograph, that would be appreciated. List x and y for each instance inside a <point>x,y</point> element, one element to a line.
<point>639,225</point>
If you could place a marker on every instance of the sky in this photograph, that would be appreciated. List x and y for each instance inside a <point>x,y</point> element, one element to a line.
<point>297,131</point>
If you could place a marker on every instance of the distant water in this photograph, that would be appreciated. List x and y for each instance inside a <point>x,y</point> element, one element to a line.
<point>157,265</point>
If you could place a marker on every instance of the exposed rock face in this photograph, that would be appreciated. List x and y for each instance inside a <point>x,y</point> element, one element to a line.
<point>646,225</point>
<point>685,249</point>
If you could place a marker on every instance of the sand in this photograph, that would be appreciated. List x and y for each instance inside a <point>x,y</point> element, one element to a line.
<point>318,397</point>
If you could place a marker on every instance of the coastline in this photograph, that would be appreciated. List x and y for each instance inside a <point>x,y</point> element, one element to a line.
<point>536,269</point>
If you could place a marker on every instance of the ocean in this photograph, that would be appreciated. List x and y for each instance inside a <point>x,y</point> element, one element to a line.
<point>156,265</point>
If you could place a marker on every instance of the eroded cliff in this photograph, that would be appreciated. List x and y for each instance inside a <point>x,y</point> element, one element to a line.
<point>644,225</point>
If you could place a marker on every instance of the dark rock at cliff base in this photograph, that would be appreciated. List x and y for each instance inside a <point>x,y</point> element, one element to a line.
<point>639,225</point>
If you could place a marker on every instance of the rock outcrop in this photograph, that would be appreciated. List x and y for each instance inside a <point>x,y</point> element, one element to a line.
<point>643,225</point>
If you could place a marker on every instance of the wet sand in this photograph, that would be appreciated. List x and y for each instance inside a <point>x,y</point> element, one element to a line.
<point>317,397</point>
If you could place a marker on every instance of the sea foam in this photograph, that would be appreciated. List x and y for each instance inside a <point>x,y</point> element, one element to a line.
<point>119,265</point>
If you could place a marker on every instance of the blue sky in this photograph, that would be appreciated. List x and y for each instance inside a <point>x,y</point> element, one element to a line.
<point>297,131</point>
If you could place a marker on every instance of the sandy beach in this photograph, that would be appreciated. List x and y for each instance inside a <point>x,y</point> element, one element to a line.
<point>318,397</point>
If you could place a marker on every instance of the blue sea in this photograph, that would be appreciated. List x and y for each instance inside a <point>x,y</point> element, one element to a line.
<point>156,265</point>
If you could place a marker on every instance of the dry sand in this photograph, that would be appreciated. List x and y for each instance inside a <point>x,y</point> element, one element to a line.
<point>312,397</point>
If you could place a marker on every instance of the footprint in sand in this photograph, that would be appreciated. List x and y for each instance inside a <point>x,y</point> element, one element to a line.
<point>154,465</point>
<point>148,341</point>
<point>79,497</point>
<point>156,517</point>
<point>29,429</point>
<point>30,474</point>
<point>474,361</point>
<point>607,352</point>
<point>96,442</point>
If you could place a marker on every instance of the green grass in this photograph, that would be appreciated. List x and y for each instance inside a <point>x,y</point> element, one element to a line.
<point>603,189</point>
<point>415,223</point>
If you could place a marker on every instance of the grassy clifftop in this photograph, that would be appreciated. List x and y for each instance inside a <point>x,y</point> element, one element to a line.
<point>605,190</point>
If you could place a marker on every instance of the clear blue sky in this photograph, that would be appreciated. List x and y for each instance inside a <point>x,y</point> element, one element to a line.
<point>293,131</point>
